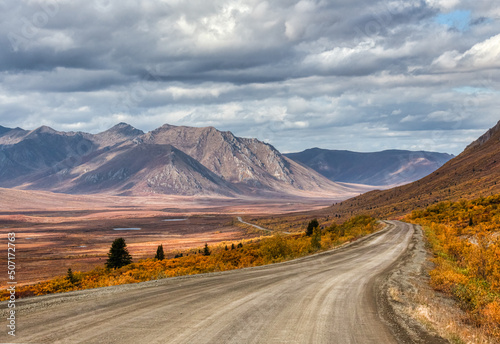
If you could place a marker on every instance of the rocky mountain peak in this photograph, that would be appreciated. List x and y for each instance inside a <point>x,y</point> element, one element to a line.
<point>44,130</point>
<point>11,136</point>
<point>117,134</point>
<point>124,128</point>
<point>492,135</point>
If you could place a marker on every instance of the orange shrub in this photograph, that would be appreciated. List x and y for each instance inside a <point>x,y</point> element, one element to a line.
<point>268,250</point>
<point>464,237</point>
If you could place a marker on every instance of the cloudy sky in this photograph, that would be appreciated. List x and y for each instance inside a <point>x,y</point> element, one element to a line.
<point>363,75</point>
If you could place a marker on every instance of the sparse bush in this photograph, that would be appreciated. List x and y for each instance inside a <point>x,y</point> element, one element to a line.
<point>275,248</point>
<point>316,239</point>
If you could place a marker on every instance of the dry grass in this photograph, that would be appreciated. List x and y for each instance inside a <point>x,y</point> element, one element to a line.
<point>395,294</point>
<point>439,313</point>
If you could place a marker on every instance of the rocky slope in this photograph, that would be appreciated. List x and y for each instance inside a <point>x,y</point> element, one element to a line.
<point>238,160</point>
<point>150,168</point>
<point>473,173</point>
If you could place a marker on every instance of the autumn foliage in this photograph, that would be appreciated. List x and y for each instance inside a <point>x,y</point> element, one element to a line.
<point>464,237</point>
<point>268,250</point>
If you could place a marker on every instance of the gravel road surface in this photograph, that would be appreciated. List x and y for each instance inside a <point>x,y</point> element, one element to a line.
<point>330,297</point>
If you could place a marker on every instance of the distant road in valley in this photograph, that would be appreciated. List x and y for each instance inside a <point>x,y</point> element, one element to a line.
<point>250,224</point>
<point>330,297</point>
<point>255,226</point>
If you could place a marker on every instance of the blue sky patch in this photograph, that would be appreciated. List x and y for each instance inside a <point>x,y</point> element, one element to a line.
<point>472,90</point>
<point>459,19</point>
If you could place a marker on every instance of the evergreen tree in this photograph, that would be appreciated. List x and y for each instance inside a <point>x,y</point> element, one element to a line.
<point>232,246</point>
<point>240,245</point>
<point>70,276</point>
<point>310,227</point>
<point>206,250</point>
<point>118,255</point>
<point>160,255</point>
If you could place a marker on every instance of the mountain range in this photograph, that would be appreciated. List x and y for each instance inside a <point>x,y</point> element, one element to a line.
<point>184,160</point>
<point>168,160</point>
<point>390,167</point>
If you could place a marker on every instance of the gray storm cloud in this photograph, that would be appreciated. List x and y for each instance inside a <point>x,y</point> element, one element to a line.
<point>362,75</point>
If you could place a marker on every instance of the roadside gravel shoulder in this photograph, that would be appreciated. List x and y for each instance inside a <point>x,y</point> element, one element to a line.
<point>396,289</point>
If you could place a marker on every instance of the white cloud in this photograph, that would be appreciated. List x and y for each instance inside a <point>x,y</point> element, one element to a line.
<point>444,116</point>
<point>410,118</point>
<point>483,55</point>
<point>445,5</point>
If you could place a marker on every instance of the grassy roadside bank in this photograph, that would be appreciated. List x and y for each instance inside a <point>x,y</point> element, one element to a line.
<point>464,239</point>
<point>223,257</point>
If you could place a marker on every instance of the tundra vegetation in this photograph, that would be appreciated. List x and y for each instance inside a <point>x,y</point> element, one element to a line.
<point>464,237</point>
<point>273,249</point>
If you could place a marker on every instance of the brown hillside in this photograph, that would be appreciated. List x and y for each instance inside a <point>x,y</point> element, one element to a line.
<point>474,173</point>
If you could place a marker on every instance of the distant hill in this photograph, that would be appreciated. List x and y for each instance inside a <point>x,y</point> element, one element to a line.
<point>4,130</point>
<point>473,173</point>
<point>390,167</point>
<point>26,153</point>
<point>169,160</point>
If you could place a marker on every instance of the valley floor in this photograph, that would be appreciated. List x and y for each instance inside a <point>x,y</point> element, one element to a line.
<point>324,298</point>
<point>55,232</point>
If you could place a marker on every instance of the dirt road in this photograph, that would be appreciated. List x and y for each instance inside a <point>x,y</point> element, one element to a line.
<point>255,226</point>
<point>326,298</point>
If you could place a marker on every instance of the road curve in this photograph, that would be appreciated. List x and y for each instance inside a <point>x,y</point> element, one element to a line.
<point>325,298</point>
<point>258,227</point>
<point>251,224</point>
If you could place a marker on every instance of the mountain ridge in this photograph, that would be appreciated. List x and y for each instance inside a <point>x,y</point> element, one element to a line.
<point>473,173</point>
<point>388,167</point>
<point>207,161</point>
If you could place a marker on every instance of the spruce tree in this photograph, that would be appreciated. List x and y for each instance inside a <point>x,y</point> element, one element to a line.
<point>118,255</point>
<point>206,250</point>
<point>70,276</point>
<point>160,254</point>
<point>310,227</point>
